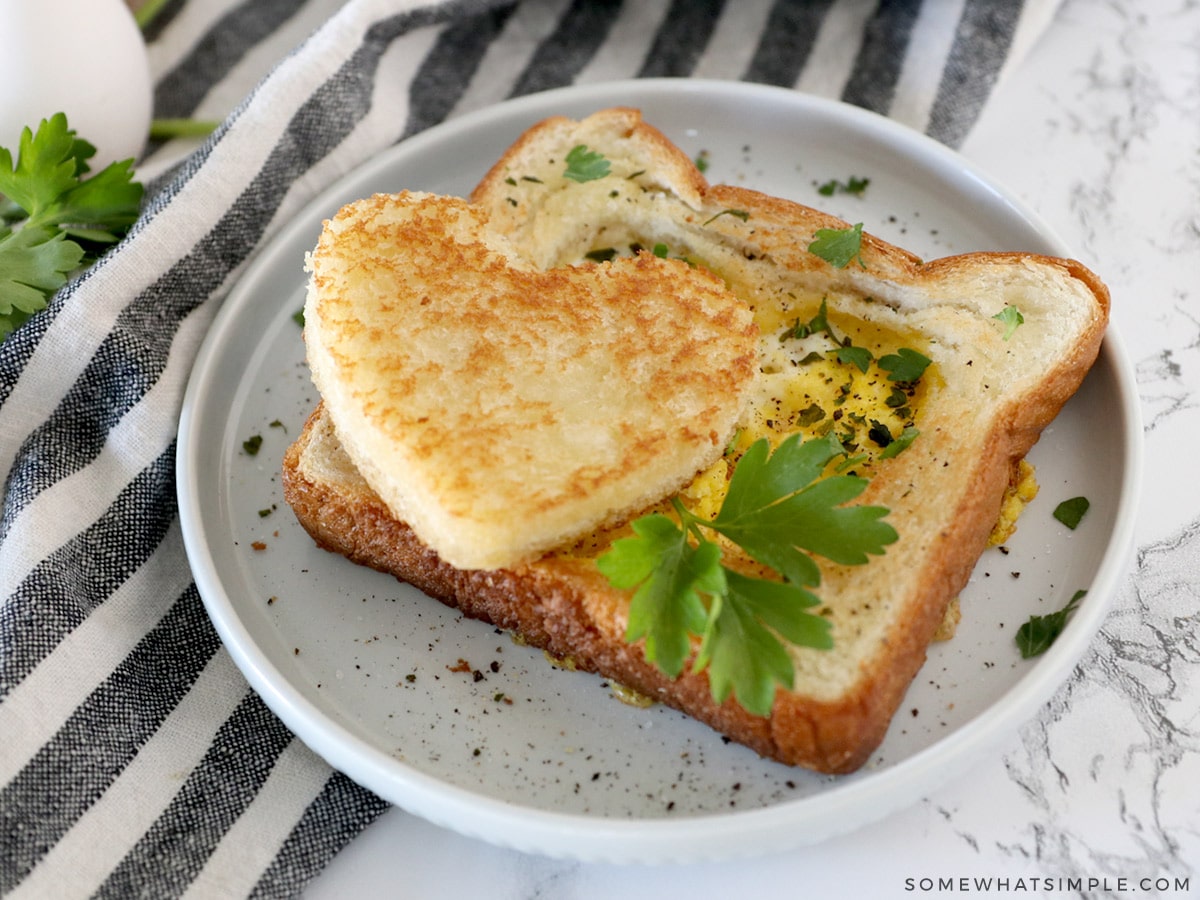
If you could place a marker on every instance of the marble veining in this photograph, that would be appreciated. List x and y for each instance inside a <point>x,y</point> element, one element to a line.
<point>1139,681</point>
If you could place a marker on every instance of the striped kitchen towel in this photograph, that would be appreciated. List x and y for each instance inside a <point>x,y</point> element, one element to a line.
<point>134,759</point>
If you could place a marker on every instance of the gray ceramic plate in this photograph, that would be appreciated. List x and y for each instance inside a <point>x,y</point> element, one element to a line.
<point>515,751</point>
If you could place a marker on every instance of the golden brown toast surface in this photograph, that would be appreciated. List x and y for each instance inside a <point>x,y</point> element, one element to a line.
<point>503,410</point>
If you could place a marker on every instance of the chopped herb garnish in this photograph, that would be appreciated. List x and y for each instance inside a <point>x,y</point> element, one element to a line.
<point>856,356</point>
<point>780,512</point>
<point>905,365</point>
<point>854,186</point>
<point>838,246</point>
<point>1011,317</point>
<point>1070,512</point>
<point>252,444</point>
<point>849,463</point>
<point>900,443</point>
<point>735,438</point>
<point>1036,635</point>
<point>736,213</point>
<point>810,415</point>
<point>585,165</point>
<point>880,433</point>
<point>660,250</point>
<point>298,317</point>
<point>818,323</point>
<point>604,254</point>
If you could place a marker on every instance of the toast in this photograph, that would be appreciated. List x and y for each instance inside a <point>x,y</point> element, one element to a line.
<point>502,409</point>
<point>993,381</point>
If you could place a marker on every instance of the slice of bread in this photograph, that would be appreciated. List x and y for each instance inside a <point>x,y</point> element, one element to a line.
<point>989,390</point>
<point>501,409</point>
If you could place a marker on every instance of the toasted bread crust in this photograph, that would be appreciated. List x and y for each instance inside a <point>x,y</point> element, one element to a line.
<point>944,491</point>
<point>565,607</point>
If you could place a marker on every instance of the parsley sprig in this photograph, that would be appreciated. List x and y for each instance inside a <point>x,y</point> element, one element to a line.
<point>52,218</point>
<point>781,512</point>
<point>905,365</point>
<point>586,165</point>
<point>1039,632</point>
<point>839,246</point>
<point>853,185</point>
<point>1010,317</point>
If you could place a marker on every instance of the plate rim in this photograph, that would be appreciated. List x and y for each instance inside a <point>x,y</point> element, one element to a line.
<point>607,839</point>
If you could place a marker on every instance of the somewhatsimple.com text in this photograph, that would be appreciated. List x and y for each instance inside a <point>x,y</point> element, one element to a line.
<point>1036,884</point>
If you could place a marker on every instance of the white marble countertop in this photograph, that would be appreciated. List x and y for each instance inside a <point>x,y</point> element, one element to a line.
<point>1099,796</point>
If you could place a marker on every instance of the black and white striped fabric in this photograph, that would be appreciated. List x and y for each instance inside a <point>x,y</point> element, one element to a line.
<point>134,760</point>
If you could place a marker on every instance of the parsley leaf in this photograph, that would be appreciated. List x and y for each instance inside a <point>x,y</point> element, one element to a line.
<point>854,185</point>
<point>33,265</point>
<point>740,649</point>
<point>50,208</point>
<point>776,531</point>
<point>1070,512</point>
<point>779,510</point>
<point>1011,317</point>
<point>900,443</point>
<point>880,434</point>
<point>818,323</point>
<point>669,573</point>
<point>1037,634</point>
<point>857,356</point>
<point>905,365</point>
<point>585,165</point>
<point>838,246</point>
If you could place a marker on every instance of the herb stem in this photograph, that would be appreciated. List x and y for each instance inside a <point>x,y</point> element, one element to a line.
<point>148,12</point>
<point>690,523</point>
<point>165,129</point>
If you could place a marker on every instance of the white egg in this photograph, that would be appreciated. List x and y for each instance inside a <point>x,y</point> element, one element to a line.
<point>85,58</point>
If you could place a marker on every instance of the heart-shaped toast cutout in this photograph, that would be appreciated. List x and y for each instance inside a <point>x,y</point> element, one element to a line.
<point>502,410</point>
